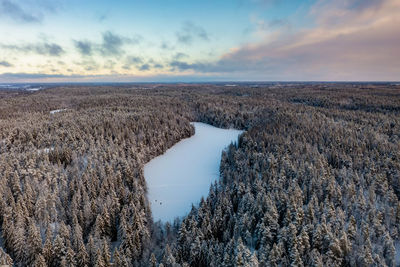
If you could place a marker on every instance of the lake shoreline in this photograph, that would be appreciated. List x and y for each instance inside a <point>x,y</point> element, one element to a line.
<point>183,174</point>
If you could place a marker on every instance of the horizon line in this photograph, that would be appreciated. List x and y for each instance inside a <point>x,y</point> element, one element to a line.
<point>204,82</point>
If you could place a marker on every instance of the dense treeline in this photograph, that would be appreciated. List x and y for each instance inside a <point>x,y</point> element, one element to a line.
<point>313,181</point>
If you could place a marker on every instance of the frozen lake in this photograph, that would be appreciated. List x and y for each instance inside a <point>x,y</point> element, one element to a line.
<point>184,173</point>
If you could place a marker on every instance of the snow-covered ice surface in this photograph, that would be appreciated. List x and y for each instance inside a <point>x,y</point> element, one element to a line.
<point>34,89</point>
<point>19,86</point>
<point>57,110</point>
<point>184,173</point>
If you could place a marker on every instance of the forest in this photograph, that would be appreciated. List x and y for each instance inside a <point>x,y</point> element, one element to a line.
<point>313,181</point>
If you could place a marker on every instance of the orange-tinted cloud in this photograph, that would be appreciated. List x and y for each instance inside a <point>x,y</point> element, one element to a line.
<point>353,40</point>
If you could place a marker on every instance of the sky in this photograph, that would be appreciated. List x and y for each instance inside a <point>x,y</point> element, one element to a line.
<point>193,41</point>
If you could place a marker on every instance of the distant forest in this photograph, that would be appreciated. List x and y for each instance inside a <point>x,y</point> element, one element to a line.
<point>313,181</point>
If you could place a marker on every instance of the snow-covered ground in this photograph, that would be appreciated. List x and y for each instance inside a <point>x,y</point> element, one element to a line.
<point>34,89</point>
<point>45,150</point>
<point>184,173</point>
<point>57,110</point>
<point>18,86</point>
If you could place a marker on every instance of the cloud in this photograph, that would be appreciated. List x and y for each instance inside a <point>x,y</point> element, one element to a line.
<point>17,13</point>
<point>48,49</point>
<point>113,43</point>
<point>278,23</point>
<point>191,31</point>
<point>333,13</point>
<point>141,64</point>
<point>144,67</point>
<point>364,44</point>
<point>180,55</point>
<point>19,76</point>
<point>84,47</point>
<point>23,11</point>
<point>5,64</point>
<point>262,4</point>
<point>51,49</point>
<point>182,66</point>
<point>109,64</point>
<point>132,61</point>
<point>221,66</point>
<point>166,46</point>
<point>102,17</point>
<point>362,4</point>
<point>88,64</point>
<point>177,65</point>
<point>262,27</point>
<point>158,66</point>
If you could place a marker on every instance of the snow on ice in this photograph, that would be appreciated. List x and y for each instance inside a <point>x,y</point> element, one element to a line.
<point>184,173</point>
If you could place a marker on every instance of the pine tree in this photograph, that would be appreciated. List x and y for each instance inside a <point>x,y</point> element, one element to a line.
<point>317,238</point>
<point>48,253</point>
<point>335,252</point>
<point>39,261</point>
<point>34,242</point>
<point>59,250</point>
<point>295,258</point>
<point>19,239</point>
<point>5,259</point>
<point>100,259</point>
<point>119,259</point>
<point>366,258</point>
<point>92,251</point>
<point>106,253</point>
<point>168,259</point>
<point>195,251</point>
<point>304,243</point>
<point>275,255</point>
<point>69,258</point>
<point>65,234</point>
<point>82,257</point>
<point>153,260</point>
<point>389,251</point>
<point>315,259</point>
<point>8,229</point>
<point>243,254</point>
<point>253,262</point>
<point>345,244</point>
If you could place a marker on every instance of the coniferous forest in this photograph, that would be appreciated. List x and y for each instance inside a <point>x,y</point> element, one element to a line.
<point>313,181</point>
